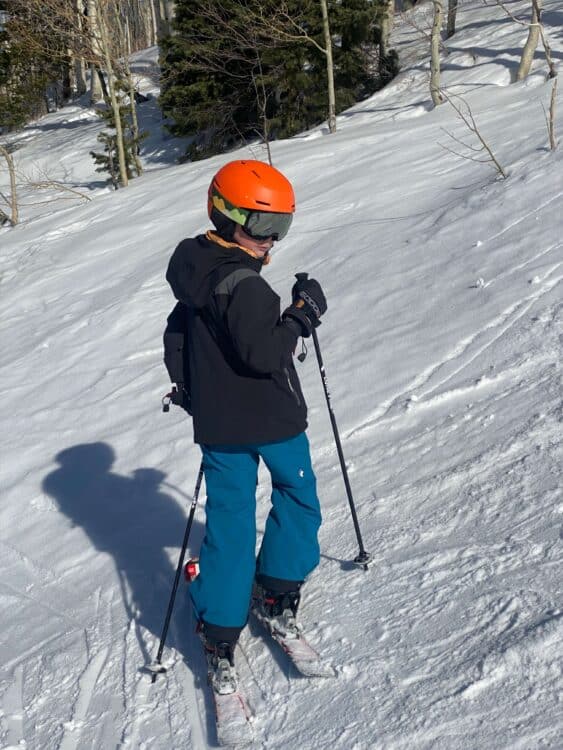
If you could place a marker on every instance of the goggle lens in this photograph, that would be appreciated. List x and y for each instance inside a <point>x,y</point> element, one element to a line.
<point>261,225</point>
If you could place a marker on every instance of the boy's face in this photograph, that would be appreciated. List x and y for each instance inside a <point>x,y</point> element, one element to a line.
<point>260,247</point>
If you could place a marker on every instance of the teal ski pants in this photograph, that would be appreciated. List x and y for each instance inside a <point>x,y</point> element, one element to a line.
<point>289,550</point>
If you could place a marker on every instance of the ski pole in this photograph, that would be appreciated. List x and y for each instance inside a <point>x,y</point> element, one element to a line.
<point>157,667</point>
<point>363,557</point>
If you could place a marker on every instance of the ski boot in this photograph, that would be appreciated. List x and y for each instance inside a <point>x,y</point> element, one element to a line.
<point>277,610</point>
<point>221,673</point>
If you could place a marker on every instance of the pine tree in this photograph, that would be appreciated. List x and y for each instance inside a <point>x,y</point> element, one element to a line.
<point>24,75</point>
<point>34,62</point>
<point>354,21</point>
<point>234,69</point>
<point>205,77</point>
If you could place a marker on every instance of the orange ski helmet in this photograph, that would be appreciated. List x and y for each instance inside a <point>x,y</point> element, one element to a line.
<point>253,194</point>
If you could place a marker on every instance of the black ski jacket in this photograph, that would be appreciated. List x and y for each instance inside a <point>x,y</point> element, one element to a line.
<point>243,384</point>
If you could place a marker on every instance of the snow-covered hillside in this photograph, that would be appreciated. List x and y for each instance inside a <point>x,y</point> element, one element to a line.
<point>442,345</point>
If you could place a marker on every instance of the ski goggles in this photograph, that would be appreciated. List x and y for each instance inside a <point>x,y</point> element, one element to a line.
<point>260,225</point>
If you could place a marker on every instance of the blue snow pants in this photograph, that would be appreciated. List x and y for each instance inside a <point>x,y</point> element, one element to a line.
<point>289,550</point>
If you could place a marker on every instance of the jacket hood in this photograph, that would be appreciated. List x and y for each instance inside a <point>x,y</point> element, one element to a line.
<point>199,264</point>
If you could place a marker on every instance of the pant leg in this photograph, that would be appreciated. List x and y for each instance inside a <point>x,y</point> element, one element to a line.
<point>290,549</point>
<point>221,592</point>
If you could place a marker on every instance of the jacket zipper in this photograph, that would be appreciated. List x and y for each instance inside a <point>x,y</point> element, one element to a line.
<point>291,388</point>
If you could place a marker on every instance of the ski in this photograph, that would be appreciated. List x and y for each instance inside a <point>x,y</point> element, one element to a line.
<point>302,655</point>
<point>232,717</point>
<point>232,720</point>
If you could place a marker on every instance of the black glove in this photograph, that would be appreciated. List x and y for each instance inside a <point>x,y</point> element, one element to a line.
<point>308,305</point>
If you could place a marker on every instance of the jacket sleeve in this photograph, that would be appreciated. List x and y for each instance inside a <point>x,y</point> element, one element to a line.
<point>262,341</point>
<point>175,347</point>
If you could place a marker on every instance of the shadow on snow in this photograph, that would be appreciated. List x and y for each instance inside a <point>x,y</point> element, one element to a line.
<point>133,519</point>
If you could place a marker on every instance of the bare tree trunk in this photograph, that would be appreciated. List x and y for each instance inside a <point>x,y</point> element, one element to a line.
<point>96,94</point>
<point>135,20</point>
<point>164,21</point>
<point>148,21</point>
<point>386,27</point>
<point>65,87</point>
<point>125,39</point>
<point>159,11</point>
<point>79,66</point>
<point>329,69</point>
<point>435,52</point>
<point>104,38</point>
<point>134,124</point>
<point>551,121</point>
<point>14,216</point>
<point>452,15</point>
<point>170,11</point>
<point>77,75</point>
<point>80,86</point>
<point>531,42</point>
<point>154,24</point>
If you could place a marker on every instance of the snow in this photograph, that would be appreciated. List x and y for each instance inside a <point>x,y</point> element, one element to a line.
<point>442,346</point>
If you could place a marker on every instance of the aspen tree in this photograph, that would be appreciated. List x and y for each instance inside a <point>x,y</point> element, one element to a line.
<point>435,52</point>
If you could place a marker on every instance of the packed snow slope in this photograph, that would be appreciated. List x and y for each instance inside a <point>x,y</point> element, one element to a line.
<point>442,346</point>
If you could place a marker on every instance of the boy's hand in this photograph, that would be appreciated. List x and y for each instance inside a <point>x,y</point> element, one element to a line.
<point>309,303</point>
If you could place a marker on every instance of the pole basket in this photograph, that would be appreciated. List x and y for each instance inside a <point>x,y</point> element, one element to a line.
<point>363,560</point>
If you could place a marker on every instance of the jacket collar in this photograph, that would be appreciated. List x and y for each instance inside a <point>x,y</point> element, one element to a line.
<point>213,237</point>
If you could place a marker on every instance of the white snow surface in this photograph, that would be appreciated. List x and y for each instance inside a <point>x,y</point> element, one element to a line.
<point>442,346</point>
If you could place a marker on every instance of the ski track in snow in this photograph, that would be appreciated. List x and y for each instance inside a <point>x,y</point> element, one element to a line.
<point>188,683</point>
<point>12,711</point>
<point>466,351</point>
<point>86,686</point>
<point>502,640</point>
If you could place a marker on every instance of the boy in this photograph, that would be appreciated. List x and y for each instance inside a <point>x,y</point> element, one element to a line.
<point>246,402</point>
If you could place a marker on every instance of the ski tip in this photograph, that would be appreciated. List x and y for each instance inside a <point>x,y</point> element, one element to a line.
<point>233,720</point>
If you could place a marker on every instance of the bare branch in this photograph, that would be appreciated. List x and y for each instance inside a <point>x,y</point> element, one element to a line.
<point>469,121</point>
<point>452,16</point>
<point>53,184</point>
<point>410,20</point>
<point>508,12</point>
<point>545,43</point>
<point>461,143</point>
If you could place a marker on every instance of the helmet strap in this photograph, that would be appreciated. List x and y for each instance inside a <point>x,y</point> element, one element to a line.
<point>225,227</point>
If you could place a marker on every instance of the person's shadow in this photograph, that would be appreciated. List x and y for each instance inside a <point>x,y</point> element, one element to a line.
<point>133,520</point>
